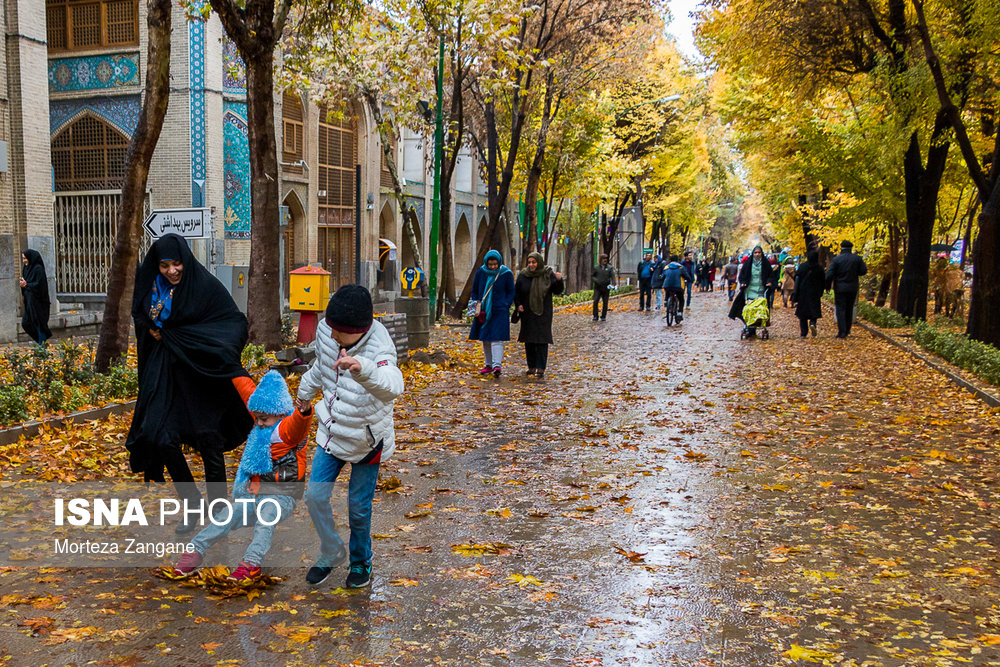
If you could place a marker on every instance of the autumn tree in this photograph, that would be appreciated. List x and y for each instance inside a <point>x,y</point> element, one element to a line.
<point>112,344</point>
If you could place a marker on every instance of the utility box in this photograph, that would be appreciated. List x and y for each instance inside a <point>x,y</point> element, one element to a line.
<point>308,288</point>
<point>236,278</point>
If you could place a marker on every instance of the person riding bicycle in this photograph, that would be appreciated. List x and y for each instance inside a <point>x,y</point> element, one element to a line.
<point>672,284</point>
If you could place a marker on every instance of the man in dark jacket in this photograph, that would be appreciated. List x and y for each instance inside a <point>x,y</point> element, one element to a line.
<point>602,276</point>
<point>842,275</point>
<point>659,265</point>
<point>688,264</point>
<point>644,272</point>
<point>673,283</point>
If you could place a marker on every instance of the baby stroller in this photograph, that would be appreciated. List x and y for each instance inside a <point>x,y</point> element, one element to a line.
<point>756,315</point>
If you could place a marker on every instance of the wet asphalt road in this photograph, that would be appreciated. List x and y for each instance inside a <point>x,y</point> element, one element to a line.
<point>621,529</point>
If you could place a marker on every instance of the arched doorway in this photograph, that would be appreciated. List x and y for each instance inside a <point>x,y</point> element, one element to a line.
<point>293,236</point>
<point>463,251</point>
<point>405,252</point>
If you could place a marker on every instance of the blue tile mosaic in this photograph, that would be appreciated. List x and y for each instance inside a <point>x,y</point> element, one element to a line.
<point>120,70</point>
<point>234,74</point>
<point>121,112</point>
<point>196,74</point>
<point>236,165</point>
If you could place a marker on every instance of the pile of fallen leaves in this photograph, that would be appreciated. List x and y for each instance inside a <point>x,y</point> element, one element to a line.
<point>216,582</point>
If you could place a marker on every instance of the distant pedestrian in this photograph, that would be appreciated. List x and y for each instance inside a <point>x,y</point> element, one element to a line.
<point>689,267</point>
<point>673,284</point>
<point>644,272</point>
<point>711,276</point>
<point>493,289</point>
<point>731,270</point>
<point>787,284</point>
<point>603,277</point>
<point>808,291</point>
<point>355,368</point>
<point>533,292</point>
<point>35,291</point>
<point>659,265</point>
<point>842,275</point>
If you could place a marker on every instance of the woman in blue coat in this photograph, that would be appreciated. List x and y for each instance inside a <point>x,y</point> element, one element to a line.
<point>493,289</point>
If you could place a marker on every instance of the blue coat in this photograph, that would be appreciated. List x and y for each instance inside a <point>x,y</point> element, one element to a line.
<point>497,325</point>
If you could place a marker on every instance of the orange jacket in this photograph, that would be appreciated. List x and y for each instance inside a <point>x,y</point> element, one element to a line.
<point>293,431</point>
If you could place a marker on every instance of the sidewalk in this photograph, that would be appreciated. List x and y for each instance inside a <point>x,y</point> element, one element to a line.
<point>666,496</point>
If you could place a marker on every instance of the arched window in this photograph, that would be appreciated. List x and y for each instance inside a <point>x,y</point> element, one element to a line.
<point>81,25</point>
<point>89,155</point>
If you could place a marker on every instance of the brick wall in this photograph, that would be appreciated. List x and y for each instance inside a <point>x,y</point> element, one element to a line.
<point>395,324</point>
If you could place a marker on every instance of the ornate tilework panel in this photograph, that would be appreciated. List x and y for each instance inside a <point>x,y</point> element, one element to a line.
<point>196,73</point>
<point>236,165</point>
<point>234,75</point>
<point>122,112</point>
<point>120,70</point>
<point>464,209</point>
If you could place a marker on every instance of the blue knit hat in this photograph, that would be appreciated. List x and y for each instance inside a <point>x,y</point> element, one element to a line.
<point>271,396</point>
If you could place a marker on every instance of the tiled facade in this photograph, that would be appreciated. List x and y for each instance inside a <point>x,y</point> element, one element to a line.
<point>202,158</point>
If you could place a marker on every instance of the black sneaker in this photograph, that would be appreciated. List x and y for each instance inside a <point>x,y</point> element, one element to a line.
<point>319,572</point>
<point>360,575</point>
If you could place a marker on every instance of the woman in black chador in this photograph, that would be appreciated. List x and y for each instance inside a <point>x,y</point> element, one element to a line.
<point>190,335</point>
<point>35,290</point>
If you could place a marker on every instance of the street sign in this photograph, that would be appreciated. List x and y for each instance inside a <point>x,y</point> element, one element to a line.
<point>191,223</point>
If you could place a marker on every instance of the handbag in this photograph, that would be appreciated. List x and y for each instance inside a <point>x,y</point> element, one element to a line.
<point>481,315</point>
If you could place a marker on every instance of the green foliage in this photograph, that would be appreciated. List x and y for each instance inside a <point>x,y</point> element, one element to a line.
<point>54,398</point>
<point>76,399</point>
<point>979,358</point>
<point>13,403</point>
<point>288,332</point>
<point>881,317</point>
<point>587,295</point>
<point>253,356</point>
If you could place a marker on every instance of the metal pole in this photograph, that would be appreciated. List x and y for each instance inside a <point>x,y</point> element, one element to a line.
<point>438,157</point>
<point>357,224</point>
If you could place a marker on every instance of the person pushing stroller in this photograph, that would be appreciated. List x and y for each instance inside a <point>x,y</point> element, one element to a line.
<point>757,279</point>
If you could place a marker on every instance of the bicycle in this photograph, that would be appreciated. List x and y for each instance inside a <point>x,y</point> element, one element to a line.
<point>672,306</point>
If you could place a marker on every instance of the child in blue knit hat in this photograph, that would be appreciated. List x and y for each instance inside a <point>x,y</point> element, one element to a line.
<point>271,474</point>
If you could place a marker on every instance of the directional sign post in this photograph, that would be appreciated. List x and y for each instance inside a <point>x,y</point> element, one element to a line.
<point>191,223</point>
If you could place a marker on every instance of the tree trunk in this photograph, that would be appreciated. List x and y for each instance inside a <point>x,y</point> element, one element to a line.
<point>984,316</point>
<point>264,304</point>
<point>112,344</point>
<point>407,214</point>
<point>922,186</point>
<point>893,265</point>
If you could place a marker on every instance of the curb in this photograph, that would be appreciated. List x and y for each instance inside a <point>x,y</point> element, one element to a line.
<point>30,429</point>
<point>939,365</point>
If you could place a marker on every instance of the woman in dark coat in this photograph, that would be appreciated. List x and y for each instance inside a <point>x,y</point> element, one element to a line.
<point>533,301</point>
<point>755,264</point>
<point>493,288</point>
<point>809,283</point>
<point>35,290</point>
<point>190,335</point>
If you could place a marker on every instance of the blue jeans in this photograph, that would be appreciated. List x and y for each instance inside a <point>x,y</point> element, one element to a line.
<point>688,287</point>
<point>261,542</point>
<point>360,491</point>
<point>659,297</point>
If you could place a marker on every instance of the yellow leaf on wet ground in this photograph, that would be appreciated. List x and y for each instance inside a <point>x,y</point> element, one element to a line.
<point>404,582</point>
<point>808,654</point>
<point>524,580</point>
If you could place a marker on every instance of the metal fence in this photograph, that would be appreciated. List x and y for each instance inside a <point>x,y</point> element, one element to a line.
<point>85,224</point>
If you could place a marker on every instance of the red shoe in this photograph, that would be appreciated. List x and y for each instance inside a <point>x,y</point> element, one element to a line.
<point>188,564</point>
<point>485,370</point>
<point>245,572</point>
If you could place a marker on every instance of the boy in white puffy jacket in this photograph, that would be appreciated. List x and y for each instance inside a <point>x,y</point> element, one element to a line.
<point>356,370</point>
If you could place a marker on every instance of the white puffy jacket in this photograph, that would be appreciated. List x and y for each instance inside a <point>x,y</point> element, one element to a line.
<point>355,413</point>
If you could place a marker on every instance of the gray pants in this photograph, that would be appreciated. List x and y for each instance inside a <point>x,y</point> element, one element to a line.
<point>493,353</point>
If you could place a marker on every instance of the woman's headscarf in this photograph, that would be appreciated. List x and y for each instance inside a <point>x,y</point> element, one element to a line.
<point>539,288</point>
<point>753,255</point>
<point>493,275</point>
